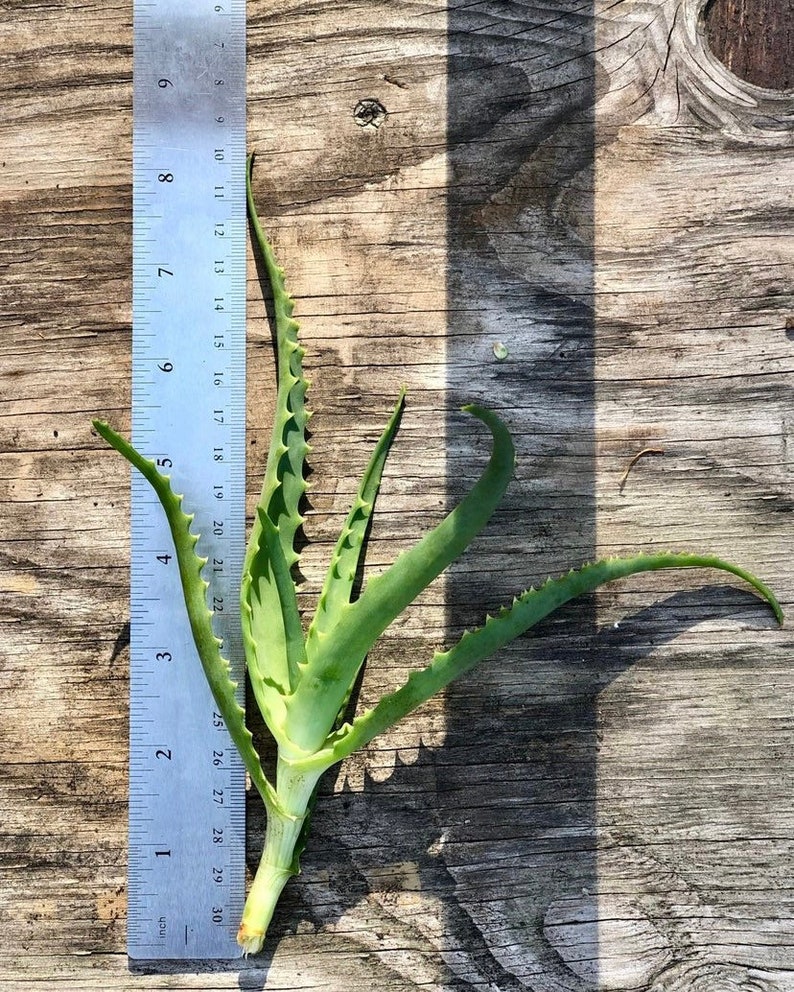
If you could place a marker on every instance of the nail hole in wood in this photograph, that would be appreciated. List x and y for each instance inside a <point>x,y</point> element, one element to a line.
<point>369,113</point>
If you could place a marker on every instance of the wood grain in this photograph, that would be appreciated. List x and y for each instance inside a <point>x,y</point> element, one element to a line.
<point>754,38</point>
<point>607,805</point>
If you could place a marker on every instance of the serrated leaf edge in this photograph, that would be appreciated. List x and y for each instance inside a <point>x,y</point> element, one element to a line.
<point>501,628</point>
<point>216,667</point>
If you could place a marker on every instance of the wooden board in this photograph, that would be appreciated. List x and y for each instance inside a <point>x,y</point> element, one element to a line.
<point>754,40</point>
<point>607,805</point>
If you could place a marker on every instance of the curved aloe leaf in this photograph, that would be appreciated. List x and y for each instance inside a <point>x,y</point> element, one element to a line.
<point>477,645</point>
<point>194,587</point>
<point>341,575</point>
<point>269,611</point>
<point>284,484</point>
<point>335,656</point>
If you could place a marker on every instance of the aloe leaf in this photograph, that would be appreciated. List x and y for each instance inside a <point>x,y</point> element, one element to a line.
<point>338,654</point>
<point>194,587</point>
<point>341,575</point>
<point>271,627</point>
<point>269,610</point>
<point>527,609</point>
<point>284,485</point>
<point>340,578</point>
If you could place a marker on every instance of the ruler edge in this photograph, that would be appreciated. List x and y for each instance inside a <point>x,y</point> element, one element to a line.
<point>144,20</point>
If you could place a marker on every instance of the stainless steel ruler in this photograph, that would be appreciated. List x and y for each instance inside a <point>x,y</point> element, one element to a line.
<point>186,873</point>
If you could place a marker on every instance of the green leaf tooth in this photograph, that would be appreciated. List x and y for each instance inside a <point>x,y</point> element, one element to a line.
<point>216,668</point>
<point>355,627</point>
<point>529,608</point>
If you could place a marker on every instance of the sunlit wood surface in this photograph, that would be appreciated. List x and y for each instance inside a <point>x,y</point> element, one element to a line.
<point>608,803</point>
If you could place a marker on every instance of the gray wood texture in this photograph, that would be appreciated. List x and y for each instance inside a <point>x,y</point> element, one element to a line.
<point>607,804</point>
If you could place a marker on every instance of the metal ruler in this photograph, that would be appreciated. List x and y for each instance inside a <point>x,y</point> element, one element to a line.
<point>186,875</point>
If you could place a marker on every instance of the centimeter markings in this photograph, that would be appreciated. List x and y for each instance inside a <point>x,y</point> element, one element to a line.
<point>186,875</point>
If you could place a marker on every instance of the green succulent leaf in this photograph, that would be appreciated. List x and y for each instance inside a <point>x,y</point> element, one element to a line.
<point>284,485</point>
<point>526,610</point>
<point>194,587</point>
<point>340,578</point>
<point>334,657</point>
<point>272,633</point>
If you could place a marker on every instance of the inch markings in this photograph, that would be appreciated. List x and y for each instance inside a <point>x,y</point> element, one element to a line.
<point>186,874</point>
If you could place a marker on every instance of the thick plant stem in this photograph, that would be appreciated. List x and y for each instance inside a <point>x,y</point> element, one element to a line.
<point>285,821</point>
<point>275,870</point>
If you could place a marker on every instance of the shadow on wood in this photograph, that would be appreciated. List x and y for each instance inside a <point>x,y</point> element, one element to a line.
<point>521,730</point>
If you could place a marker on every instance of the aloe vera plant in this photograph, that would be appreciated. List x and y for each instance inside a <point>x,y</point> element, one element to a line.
<point>302,681</point>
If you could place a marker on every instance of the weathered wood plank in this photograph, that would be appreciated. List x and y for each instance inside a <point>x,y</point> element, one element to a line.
<point>693,181</point>
<point>754,38</point>
<point>601,807</point>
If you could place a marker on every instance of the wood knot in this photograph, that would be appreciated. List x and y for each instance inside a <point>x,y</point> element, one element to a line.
<point>754,40</point>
